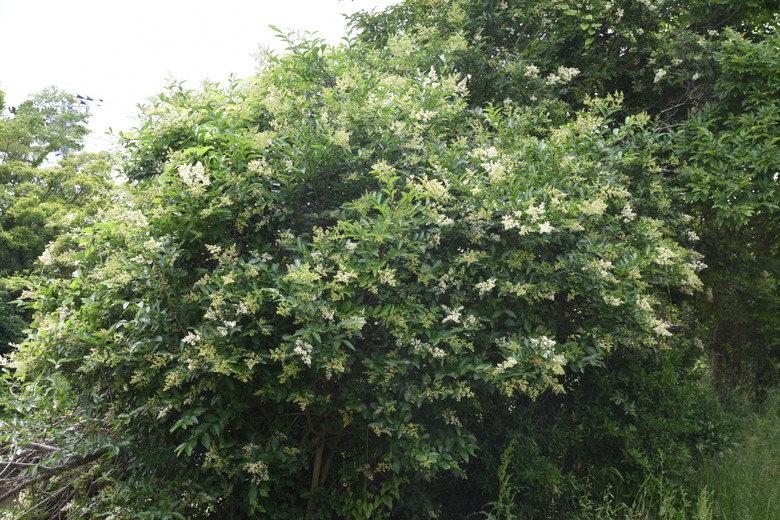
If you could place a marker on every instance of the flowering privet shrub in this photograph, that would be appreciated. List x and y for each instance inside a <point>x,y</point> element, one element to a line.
<point>333,266</point>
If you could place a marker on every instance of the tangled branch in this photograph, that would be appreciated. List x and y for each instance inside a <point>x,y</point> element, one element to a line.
<point>24,467</point>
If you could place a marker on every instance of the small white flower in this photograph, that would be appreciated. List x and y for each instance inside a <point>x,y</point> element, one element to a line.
<point>258,470</point>
<point>452,314</point>
<point>509,222</point>
<point>627,213</point>
<point>195,178</point>
<point>304,350</point>
<point>535,212</point>
<point>505,365</point>
<point>546,227</point>
<point>46,257</point>
<point>486,286</point>
<point>192,338</point>
<point>665,256</point>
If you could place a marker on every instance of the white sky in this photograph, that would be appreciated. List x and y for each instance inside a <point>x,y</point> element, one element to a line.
<point>124,51</point>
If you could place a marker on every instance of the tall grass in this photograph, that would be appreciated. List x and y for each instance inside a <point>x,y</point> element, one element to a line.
<point>658,499</point>
<point>745,481</point>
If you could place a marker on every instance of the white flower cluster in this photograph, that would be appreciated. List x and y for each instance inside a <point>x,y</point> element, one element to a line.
<point>563,75</point>
<point>697,265</point>
<point>353,323</point>
<point>484,153</point>
<point>619,12</point>
<point>593,207</point>
<point>660,327</point>
<point>544,345</point>
<point>195,178</point>
<point>341,138</point>
<point>558,362</point>
<point>225,329</point>
<point>546,227</point>
<point>601,267</point>
<point>644,303</point>
<point>418,347</point>
<point>620,192</point>
<point>47,258</point>
<point>304,350</point>
<point>486,286</point>
<point>259,167</point>
<point>511,221</point>
<point>258,470</point>
<point>443,220</point>
<point>152,245</point>
<point>665,256</point>
<point>387,277</point>
<point>451,418</point>
<point>546,348</point>
<point>424,115</point>
<point>434,188</point>
<point>627,213</point>
<point>326,313</point>
<point>135,218</point>
<point>505,365</point>
<point>453,314</point>
<point>192,338</point>
<point>344,275</point>
<point>432,80</point>
<point>535,212</point>
<point>495,170</point>
<point>532,71</point>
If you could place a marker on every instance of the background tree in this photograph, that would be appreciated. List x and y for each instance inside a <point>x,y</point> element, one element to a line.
<point>49,121</point>
<point>38,203</point>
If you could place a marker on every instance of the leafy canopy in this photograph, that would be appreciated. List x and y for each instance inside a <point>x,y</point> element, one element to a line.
<point>49,121</point>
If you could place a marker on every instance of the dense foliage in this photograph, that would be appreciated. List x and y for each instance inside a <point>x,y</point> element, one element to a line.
<point>707,72</point>
<point>426,273</point>
<point>38,198</point>
<point>729,178</point>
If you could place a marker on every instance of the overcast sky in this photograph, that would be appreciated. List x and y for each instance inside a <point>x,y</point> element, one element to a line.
<point>124,51</point>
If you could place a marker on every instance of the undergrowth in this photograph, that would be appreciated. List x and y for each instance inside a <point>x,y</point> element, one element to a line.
<point>740,483</point>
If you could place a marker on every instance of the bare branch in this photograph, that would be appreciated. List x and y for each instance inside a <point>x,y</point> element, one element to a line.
<point>37,446</point>
<point>47,473</point>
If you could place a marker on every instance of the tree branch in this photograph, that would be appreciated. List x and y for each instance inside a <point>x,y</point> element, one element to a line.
<point>47,473</point>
